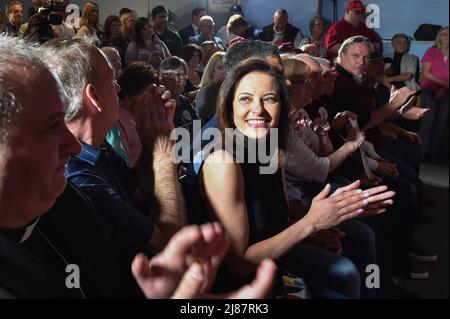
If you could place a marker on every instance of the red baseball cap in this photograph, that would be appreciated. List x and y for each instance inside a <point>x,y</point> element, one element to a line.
<point>356,5</point>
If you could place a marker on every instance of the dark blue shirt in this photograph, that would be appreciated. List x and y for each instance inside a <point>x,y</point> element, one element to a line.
<point>109,183</point>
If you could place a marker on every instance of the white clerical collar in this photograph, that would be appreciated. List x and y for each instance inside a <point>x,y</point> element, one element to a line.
<point>28,231</point>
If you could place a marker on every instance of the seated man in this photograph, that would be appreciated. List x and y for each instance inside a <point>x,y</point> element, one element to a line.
<point>351,94</point>
<point>351,25</point>
<point>126,198</point>
<point>192,29</point>
<point>206,28</point>
<point>160,20</point>
<point>281,31</point>
<point>50,235</point>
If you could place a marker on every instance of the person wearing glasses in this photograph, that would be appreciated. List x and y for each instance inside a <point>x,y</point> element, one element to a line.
<point>173,75</point>
<point>314,44</point>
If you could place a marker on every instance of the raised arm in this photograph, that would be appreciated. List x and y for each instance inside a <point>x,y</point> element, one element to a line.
<point>154,124</point>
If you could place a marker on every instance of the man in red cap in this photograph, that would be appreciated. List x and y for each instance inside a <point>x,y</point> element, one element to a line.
<point>352,24</point>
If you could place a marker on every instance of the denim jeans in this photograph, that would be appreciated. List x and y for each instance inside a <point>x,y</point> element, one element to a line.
<point>329,275</point>
<point>433,123</point>
<point>407,151</point>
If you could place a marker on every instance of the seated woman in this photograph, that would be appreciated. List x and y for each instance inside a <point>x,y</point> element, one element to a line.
<point>314,44</point>
<point>313,149</point>
<point>112,37</point>
<point>310,162</point>
<point>192,54</point>
<point>239,26</point>
<point>145,45</point>
<point>89,22</point>
<point>247,195</point>
<point>404,70</point>
<point>128,22</point>
<point>205,102</point>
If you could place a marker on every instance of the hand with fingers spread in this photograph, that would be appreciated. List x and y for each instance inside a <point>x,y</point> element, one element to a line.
<point>311,49</point>
<point>320,126</point>
<point>188,265</point>
<point>341,119</point>
<point>399,97</point>
<point>347,203</point>
<point>415,113</point>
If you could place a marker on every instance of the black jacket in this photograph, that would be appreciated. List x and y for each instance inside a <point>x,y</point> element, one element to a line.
<point>186,33</point>
<point>289,34</point>
<point>35,269</point>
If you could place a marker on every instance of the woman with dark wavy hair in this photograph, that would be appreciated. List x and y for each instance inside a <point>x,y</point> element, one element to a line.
<point>242,186</point>
<point>145,45</point>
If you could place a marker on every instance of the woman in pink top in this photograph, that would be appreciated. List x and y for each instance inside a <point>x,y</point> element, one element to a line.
<point>435,93</point>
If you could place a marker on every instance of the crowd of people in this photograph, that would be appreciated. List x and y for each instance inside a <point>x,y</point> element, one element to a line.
<point>89,120</point>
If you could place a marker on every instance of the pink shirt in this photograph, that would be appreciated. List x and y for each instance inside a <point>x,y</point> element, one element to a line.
<point>439,68</point>
<point>130,137</point>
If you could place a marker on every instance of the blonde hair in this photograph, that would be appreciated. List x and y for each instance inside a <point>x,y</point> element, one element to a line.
<point>235,21</point>
<point>84,22</point>
<point>209,69</point>
<point>295,69</point>
<point>123,18</point>
<point>437,43</point>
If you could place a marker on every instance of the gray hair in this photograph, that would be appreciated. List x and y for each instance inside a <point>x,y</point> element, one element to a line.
<point>400,36</point>
<point>109,51</point>
<point>357,39</point>
<point>71,61</point>
<point>15,52</point>
<point>207,18</point>
<point>173,63</point>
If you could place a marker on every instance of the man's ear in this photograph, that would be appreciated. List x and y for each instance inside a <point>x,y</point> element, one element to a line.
<point>90,97</point>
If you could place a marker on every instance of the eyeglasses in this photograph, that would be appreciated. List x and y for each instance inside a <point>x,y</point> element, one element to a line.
<point>173,76</point>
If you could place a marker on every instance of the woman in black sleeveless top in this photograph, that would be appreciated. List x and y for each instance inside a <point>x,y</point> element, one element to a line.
<point>245,191</point>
